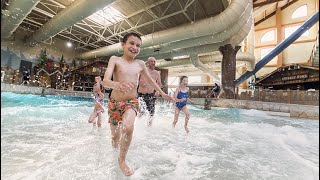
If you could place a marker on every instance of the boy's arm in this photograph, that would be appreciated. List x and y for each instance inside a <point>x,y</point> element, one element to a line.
<point>107,83</point>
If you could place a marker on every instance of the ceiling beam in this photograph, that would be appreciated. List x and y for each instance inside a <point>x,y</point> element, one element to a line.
<point>273,13</point>
<point>287,5</point>
<point>265,3</point>
<point>265,18</point>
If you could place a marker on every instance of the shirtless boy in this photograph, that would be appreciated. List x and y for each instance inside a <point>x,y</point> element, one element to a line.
<point>123,103</point>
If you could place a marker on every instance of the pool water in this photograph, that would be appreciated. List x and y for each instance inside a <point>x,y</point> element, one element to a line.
<point>49,138</point>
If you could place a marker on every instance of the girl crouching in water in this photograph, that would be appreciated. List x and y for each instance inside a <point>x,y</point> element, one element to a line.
<point>181,96</point>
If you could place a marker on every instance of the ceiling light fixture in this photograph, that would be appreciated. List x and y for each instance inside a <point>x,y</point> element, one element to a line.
<point>69,44</point>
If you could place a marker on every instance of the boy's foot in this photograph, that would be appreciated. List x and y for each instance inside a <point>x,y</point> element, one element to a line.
<point>186,128</point>
<point>125,168</point>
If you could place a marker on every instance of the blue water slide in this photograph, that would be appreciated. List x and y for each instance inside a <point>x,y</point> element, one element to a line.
<point>279,48</point>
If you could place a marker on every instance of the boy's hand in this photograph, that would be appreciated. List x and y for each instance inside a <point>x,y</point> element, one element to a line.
<point>157,93</point>
<point>124,87</point>
<point>167,97</point>
<point>183,99</point>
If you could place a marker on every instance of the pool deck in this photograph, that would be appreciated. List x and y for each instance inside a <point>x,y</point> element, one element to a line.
<point>276,109</point>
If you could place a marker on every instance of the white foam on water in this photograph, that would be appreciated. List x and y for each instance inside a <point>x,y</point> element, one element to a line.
<point>57,142</point>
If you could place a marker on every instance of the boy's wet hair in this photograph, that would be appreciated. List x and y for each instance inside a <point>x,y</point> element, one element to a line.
<point>125,38</point>
<point>182,77</point>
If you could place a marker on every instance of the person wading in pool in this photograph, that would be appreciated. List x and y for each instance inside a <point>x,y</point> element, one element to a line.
<point>98,102</point>
<point>123,103</point>
<point>146,90</point>
<point>181,96</point>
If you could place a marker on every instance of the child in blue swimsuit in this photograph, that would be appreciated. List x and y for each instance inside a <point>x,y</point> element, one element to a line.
<point>182,97</point>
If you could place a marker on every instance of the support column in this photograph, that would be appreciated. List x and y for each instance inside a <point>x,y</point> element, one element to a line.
<point>228,70</point>
<point>164,79</point>
<point>244,85</point>
<point>279,35</point>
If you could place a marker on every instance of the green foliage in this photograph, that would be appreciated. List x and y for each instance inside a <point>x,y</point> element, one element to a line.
<point>43,57</point>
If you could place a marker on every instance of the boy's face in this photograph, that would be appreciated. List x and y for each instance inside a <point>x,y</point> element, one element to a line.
<point>132,46</point>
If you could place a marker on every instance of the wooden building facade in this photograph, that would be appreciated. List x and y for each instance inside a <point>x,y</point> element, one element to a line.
<point>293,77</point>
<point>83,77</point>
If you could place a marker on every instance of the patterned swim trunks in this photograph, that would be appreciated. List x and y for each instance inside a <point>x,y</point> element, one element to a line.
<point>116,109</point>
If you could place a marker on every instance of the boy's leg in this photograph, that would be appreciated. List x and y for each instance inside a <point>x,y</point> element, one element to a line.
<point>115,135</point>
<point>176,115</point>
<point>125,140</point>
<point>187,114</point>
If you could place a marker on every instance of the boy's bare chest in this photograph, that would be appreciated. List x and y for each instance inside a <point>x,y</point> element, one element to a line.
<point>128,69</point>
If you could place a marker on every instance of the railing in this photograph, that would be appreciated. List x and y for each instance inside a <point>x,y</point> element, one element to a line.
<point>282,96</point>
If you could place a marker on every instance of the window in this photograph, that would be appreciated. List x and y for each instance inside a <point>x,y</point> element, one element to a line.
<point>268,36</point>
<point>172,83</point>
<point>301,11</point>
<point>191,80</point>
<point>107,16</point>
<point>265,51</point>
<point>194,79</point>
<point>173,80</point>
<point>289,30</point>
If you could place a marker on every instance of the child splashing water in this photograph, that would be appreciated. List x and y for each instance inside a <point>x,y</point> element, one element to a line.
<point>181,96</point>
<point>98,102</point>
<point>123,103</point>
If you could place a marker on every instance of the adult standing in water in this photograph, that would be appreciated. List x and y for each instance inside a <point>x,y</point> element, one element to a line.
<point>146,90</point>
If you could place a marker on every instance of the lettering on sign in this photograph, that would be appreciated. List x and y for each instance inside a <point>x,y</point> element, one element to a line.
<point>299,76</point>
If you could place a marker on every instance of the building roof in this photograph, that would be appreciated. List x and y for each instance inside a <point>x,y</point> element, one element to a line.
<point>285,69</point>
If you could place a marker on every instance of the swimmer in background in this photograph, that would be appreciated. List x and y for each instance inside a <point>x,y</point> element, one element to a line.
<point>98,102</point>
<point>181,96</point>
<point>146,91</point>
